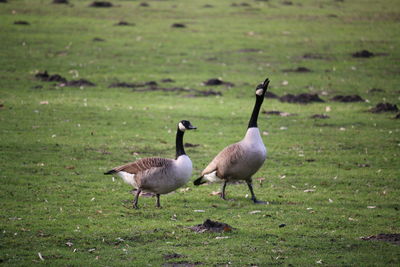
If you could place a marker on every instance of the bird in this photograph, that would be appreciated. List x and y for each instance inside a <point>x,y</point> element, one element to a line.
<point>239,161</point>
<point>158,175</point>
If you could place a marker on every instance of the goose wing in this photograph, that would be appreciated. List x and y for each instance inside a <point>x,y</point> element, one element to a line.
<point>225,160</point>
<point>143,165</point>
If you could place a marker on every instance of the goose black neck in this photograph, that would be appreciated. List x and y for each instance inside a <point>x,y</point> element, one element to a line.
<point>256,111</point>
<point>179,143</point>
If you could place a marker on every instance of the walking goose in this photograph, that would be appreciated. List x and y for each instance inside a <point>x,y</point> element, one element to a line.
<point>241,160</point>
<point>159,175</point>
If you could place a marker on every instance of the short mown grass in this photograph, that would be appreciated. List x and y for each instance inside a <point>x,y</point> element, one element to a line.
<point>329,181</point>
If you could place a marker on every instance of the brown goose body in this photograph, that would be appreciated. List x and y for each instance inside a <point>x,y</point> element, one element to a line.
<point>241,160</point>
<point>158,175</point>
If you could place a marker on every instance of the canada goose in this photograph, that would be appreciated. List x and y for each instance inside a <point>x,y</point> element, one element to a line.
<point>241,160</point>
<point>159,175</point>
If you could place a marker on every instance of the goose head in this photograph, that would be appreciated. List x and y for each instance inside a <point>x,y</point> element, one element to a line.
<point>184,125</point>
<point>261,89</point>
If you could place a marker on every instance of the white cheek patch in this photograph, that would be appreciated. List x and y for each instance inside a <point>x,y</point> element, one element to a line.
<point>259,91</point>
<point>181,127</point>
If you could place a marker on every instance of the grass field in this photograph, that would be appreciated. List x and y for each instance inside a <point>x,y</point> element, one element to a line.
<point>329,181</point>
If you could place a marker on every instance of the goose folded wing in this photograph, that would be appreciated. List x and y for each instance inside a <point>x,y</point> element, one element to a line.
<point>143,165</point>
<point>225,159</point>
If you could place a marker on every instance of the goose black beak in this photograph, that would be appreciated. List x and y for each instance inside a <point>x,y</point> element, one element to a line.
<point>191,127</point>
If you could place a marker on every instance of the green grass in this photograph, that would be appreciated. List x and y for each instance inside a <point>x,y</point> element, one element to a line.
<point>52,156</point>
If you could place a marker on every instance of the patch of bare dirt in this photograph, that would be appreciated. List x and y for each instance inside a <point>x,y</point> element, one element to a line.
<point>216,82</point>
<point>178,25</point>
<point>249,50</point>
<point>167,80</point>
<point>363,54</point>
<point>319,116</point>
<point>60,2</point>
<point>191,145</point>
<point>182,264</point>
<point>269,94</point>
<point>124,23</point>
<point>240,4</point>
<point>298,69</point>
<point>278,113</point>
<point>376,90</point>
<point>97,39</point>
<point>133,85</point>
<point>211,226</point>
<point>44,76</point>
<point>347,98</point>
<point>21,22</point>
<point>144,4</point>
<point>301,98</point>
<point>391,238</point>
<point>313,56</point>
<point>101,4</point>
<point>78,83</point>
<point>384,107</point>
<point>172,256</point>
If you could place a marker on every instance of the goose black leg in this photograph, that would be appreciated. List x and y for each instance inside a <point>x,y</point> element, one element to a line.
<point>158,201</point>
<point>223,190</point>
<point>253,196</point>
<point>135,201</point>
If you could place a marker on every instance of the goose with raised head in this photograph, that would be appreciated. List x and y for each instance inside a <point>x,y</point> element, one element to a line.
<point>158,175</point>
<point>241,160</point>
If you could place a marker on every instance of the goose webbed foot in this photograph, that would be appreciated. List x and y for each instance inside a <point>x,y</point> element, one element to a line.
<point>253,196</point>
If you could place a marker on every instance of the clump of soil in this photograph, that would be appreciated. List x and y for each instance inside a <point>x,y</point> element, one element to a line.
<point>123,85</point>
<point>319,116</point>
<point>172,256</point>
<point>240,4</point>
<point>205,93</point>
<point>216,82</point>
<point>384,107</point>
<point>44,76</point>
<point>363,54</point>
<point>278,113</point>
<point>249,50</point>
<point>211,226</point>
<point>287,3</point>
<point>178,25</point>
<point>191,145</point>
<point>301,98</point>
<point>124,23</point>
<point>97,39</point>
<point>269,94</point>
<point>312,56</point>
<point>298,69</point>
<point>167,80</point>
<point>347,98</point>
<point>78,83</point>
<point>60,2</point>
<point>101,4</point>
<point>133,85</point>
<point>391,238</point>
<point>21,22</point>
<point>144,4</point>
<point>375,90</point>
